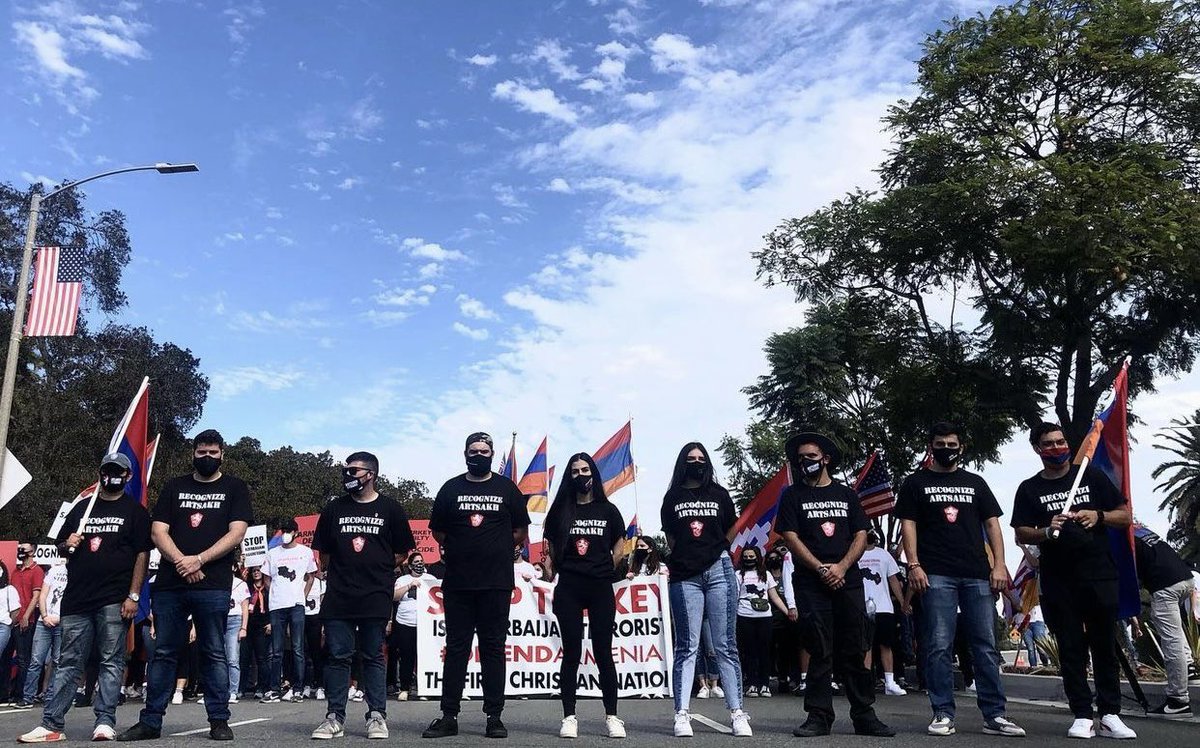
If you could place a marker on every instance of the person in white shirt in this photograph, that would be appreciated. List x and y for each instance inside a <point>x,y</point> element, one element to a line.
<point>289,569</point>
<point>881,585</point>
<point>522,569</point>
<point>10,606</point>
<point>47,637</point>
<point>404,628</point>
<point>757,594</point>
<point>235,628</point>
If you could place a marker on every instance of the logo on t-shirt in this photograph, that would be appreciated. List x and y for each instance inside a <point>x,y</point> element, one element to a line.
<point>94,543</point>
<point>697,528</point>
<point>828,528</point>
<point>951,513</point>
<point>359,543</point>
<point>476,520</point>
<point>195,519</point>
<point>581,546</point>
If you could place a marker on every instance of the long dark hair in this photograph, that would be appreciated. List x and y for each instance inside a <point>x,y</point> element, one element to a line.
<point>652,561</point>
<point>562,510</point>
<point>5,577</point>
<point>677,475</point>
<point>759,566</point>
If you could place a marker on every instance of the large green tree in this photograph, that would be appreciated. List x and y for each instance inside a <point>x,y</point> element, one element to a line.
<point>1180,482</point>
<point>1038,209</point>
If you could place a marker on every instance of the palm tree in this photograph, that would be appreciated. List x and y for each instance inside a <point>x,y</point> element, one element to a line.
<point>1182,485</point>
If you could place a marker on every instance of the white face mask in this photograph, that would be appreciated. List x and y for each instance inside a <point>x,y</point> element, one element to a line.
<point>288,538</point>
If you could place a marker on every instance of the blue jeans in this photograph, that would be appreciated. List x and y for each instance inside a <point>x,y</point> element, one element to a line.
<point>709,597</point>
<point>1033,632</point>
<point>293,619</point>
<point>340,636</point>
<point>233,652</point>
<point>79,634</point>
<point>47,641</point>
<point>209,610</point>
<point>939,612</point>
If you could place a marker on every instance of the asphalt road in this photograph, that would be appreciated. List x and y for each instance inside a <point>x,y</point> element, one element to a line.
<point>535,722</point>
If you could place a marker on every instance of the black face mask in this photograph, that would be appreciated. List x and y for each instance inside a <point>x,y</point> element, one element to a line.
<point>22,555</point>
<point>696,471</point>
<point>206,466</point>
<point>352,482</point>
<point>639,555</point>
<point>774,562</point>
<point>516,554</point>
<point>479,465</point>
<point>749,564</point>
<point>810,468</point>
<point>113,483</point>
<point>417,568</point>
<point>583,483</point>
<point>946,456</point>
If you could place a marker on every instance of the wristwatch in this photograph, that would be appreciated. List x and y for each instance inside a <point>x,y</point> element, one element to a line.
<point>135,597</point>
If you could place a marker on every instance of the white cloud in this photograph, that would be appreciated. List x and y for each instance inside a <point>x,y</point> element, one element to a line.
<point>229,383</point>
<point>536,100</point>
<point>558,184</point>
<point>483,61</point>
<point>617,49</point>
<point>241,18</point>
<point>675,53</point>
<point>641,101</point>
<point>405,296</point>
<point>41,179</point>
<point>364,118</point>
<point>474,308</point>
<point>268,322</point>
<point>421,249</point>
<point>385,317</point>
<point>349,183</point>
<point>506,195</point>
<point>470,332</point>
<point>555,56</point>
<point>623,22</point>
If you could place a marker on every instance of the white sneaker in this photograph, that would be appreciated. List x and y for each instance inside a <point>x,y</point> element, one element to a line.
<point>288,695</point>
<point>718,692</point>
<point>40,734</point>
<point>683,725</point>
<point>1111,726</point>
<point>741,724</point>
<point>321,694</point>
<point>972,688</point>
<point>616,728</point>
<point>891,689</point>
<point>104,732</point>
<point>1003,726</point>
<point>177,698</point>
<point>704,693</point>
<point>402,696</point>
<point>941,726</point>
<point>765,692</point>
<point>1082,728</point>
<point>570,727</point>
<point>233,698</point>
<point>356,695</point>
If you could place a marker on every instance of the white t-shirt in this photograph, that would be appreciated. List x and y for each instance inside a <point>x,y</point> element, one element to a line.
<point>12,601</point>
<point>312,604</point>
<point>753,587</point>
<point>877,566</point>
<point>523,570</point>
<point>406,611</point>
<point>56,583</point>
<point>237,594</point>
<point>286,567</point>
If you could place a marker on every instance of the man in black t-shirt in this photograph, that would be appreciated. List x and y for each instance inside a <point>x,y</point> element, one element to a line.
<point>825,528</point>
<point>1077,574</point>
<point>107,554</point>
<point>477,518</point>
<point>1169,581</point>
<point>197,524</point>
<point>945,512</point>
<point>361,538</point>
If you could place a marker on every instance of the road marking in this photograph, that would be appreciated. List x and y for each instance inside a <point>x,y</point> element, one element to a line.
<point>711,723</point>
<point>14,711</point>
<point>231,724</point>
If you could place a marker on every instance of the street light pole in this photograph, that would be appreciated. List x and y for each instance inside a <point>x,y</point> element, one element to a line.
<point>18,323</point>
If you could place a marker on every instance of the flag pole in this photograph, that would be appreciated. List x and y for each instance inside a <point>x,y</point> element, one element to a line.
<point>637,507</point>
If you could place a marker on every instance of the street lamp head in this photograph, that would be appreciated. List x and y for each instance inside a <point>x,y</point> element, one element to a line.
<point>165,168</point>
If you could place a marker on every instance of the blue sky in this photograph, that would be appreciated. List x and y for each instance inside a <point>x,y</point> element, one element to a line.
<point>416,219</point>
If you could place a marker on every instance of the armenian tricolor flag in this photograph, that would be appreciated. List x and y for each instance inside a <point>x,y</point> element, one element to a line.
<point>535,483</point>
<point>615,461</point>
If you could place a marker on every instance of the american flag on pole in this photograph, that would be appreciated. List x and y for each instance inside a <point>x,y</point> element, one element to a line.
<point>874,487</point>
<point>57,288</point>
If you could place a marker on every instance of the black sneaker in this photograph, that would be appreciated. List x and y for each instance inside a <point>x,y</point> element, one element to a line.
<point>81,700</point>
<point>218,729</point>
<point>1172,707</point>
<point>442,727</point>
<point>495,728</point>
<point>812,728</point>
<point>271,697</point>
<point>23,704</point>
<point>874,728</point>
<point>140,731</point>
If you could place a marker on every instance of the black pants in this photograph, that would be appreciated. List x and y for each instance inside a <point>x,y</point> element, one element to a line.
<point>482,613</point>
<point>314,664</point>
<point>785,648</point>
<point>833,628</point>
<point>406,655</point>
<point>24,655</point>
<point>1083,616</point>
<point>572,595</point>
<point>260,647</point>
<point>754,647</point>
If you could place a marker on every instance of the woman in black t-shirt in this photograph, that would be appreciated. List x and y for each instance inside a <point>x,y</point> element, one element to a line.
<point>584,532</point>
<point>698,518</point>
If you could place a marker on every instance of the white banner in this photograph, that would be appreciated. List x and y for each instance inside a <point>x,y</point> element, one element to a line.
<point>641,642</point>
<point>254,546</point>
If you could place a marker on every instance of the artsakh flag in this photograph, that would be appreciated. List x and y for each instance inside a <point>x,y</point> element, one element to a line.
<point>615,460</point>
<point>754,527</point>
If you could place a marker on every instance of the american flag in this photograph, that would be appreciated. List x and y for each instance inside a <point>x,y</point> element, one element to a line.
<point>57,287</point>
<point>874,487</point>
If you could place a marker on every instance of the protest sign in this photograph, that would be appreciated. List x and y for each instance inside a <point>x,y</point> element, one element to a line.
<point>254,546</point>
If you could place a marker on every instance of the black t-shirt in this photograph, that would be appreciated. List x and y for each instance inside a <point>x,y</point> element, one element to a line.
<point>949,509</point>
<point>825,519</point>
<point>696,521</point>
<point>100,571</point>
<point>361,540</point>
<point>1076,553</point>
<point>198,515</point>
<point>478,519</point>
<point>586,549</point>
<point>1158,565</point>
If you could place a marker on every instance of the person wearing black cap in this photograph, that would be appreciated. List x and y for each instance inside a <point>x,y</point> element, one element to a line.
<point>825,528</point>
<point>361,536</point>
<point>107,554</point>
<point>477,518</point>
<point>945,512</point>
